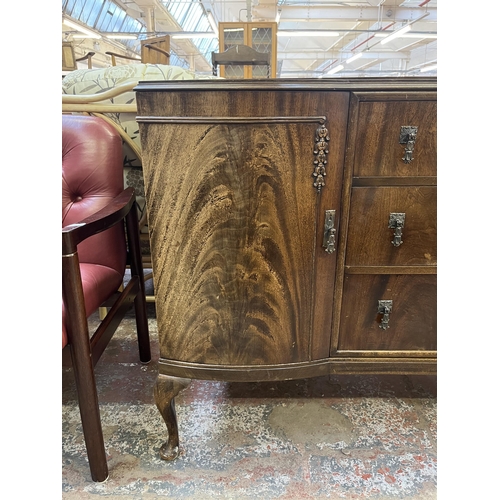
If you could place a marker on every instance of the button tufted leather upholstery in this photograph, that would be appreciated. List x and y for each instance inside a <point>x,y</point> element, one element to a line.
<point>100,236</point>
<point>92,175</point>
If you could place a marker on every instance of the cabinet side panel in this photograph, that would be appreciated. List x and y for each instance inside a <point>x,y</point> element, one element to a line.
<point>232,240</point>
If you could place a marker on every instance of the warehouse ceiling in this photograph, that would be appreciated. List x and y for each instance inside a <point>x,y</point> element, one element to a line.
<point>316,38</point>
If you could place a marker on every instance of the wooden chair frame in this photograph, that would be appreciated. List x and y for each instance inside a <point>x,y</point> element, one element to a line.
<point>87,57</point>
<point>92,104</point>
<point>86,350</point>
<point>114,56</point>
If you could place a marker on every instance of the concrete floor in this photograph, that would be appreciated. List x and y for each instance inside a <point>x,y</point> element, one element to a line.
<point>337,437</point>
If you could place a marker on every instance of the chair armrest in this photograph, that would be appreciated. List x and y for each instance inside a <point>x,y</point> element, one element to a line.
<point>97,98</point>
<point>103,219</point>
<point>154,47</point>
<point>114,55</point>
<point>87,57</point>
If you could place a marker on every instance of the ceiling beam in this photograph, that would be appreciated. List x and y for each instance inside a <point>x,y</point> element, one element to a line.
<point>315,54</point>
<point>316,13</point>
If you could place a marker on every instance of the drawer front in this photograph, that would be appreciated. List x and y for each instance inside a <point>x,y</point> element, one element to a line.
<point>411,321</point>
<point>381,144</point>
<point>412,241</point>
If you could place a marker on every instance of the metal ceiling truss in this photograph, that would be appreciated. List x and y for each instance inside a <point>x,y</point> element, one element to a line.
<point>355,27</point>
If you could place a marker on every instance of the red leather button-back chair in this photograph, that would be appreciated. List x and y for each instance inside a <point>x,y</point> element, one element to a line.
<point>100,236</point>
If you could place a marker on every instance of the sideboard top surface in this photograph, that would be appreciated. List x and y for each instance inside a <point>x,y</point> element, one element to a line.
<point>310,84</point>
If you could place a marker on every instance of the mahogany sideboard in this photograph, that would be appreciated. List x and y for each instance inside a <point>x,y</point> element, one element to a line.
<point>292,228</point>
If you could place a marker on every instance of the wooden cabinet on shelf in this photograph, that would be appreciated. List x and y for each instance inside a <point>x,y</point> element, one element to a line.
<point>292,227</point>
<point>259,36</point>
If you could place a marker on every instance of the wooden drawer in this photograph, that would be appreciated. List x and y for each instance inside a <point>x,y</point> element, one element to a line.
<point>412,322</point>
<point>378,151</point>
<point>369,238</point>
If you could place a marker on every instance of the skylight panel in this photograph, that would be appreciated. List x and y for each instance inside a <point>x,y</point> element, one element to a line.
<point>106,18</point>
<point>117,22</point>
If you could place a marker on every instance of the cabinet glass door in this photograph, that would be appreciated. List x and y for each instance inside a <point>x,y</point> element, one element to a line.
<point>261,39</point>
<point>232,36</point>
<point>259,36</point>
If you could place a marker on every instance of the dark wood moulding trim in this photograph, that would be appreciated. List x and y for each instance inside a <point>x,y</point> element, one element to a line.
<point>311,84</point>
<point>431,269</point>
<point>247,120</point>
<point>429,354</point>
<point>394,181</point>
<point>392,96</point>
<point>396,365</point>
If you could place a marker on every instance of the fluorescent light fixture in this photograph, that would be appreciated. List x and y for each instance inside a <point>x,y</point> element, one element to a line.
<point>354,57</point>
<point>307,33</point>
<point>338,68</point>
<point>81,29</point>
<point>122,37</point>
<point>419,35</point>
<point>396,34</point>
<point>410,35</point>
<point>431,67</point>
<point>212,22</point>
<point>207,34</point>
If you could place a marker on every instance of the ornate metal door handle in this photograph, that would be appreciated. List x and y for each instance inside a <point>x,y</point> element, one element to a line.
<point>385,308</point>
<point>329,232</point>
<point>320,152</point>
<point>397,222</point>
<point>408,136</point>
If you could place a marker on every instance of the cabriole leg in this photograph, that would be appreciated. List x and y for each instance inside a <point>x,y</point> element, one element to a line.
<point>166,388</point>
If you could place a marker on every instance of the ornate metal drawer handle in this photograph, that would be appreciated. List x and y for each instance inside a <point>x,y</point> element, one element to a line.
<point>385,308</point>
<point>408,136</point>
<point>329,231</point>
<point>397,222</point>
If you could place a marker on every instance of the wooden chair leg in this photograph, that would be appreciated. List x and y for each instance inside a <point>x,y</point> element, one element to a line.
<point>90,415</point>
<point>83,369</point>
<point>132,225</point>
<point>102,312</point>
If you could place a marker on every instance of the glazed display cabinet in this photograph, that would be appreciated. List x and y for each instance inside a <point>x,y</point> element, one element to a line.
<point>292,227</point>
<point>259,36</point>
